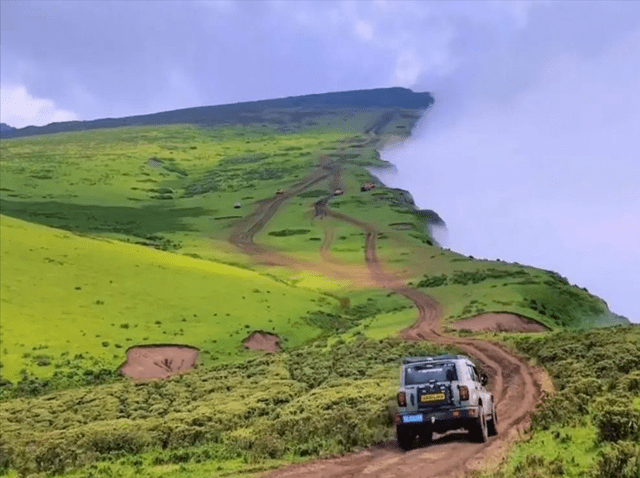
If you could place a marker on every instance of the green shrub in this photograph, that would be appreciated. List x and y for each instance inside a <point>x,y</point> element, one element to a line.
<point>42,360</point>
<point>621,460</point>
<point>53,459</point>
<point>6,452</point>
<point>631,382</point>
<point>564,408</point>
<point>433,281</point>
<point>616,424</point>
<point>119,438</point>
<point>589,387</point>
<point>289,232</point>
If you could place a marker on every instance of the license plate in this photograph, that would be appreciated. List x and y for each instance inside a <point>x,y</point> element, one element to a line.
<point>411,418</point>
<point>432,397</point>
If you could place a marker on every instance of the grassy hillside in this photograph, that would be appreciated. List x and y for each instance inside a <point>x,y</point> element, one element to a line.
<point>69,300</point>
<point>112,238</point>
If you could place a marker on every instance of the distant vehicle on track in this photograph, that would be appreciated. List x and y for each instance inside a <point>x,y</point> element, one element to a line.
<point>443,393</point>
<point>237,205</point>
<point>367,187</point>
<point>280,191</point>
<point>338,192</point>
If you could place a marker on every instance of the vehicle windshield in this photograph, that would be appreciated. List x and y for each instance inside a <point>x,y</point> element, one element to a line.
<point>427,372</point>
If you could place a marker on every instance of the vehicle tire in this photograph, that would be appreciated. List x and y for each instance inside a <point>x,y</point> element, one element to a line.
<point>425,436</point>
<point>492,425</point>
<point>478,432</point>
<point>406,437</point>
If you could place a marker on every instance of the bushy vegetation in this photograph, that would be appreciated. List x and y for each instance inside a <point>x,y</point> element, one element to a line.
<point>589,427</point>
<point>544,295</point>
<point>319,399</point>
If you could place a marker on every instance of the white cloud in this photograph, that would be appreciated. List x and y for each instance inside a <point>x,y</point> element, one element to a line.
<point>19,108</point>
<point>408,69</point>
<point>364,30</point>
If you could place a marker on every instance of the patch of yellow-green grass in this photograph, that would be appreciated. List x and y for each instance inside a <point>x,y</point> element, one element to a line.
<point>349,242</point>
<point>387,325</point>
<point>318,282</point>
<point>570,449</point>
<point>62,293</point>
<point>209,469</point>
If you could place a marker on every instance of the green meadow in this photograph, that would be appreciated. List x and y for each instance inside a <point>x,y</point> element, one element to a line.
<point>96,298</point>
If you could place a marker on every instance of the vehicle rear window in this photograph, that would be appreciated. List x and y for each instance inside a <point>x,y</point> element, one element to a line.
<point>424,373</point>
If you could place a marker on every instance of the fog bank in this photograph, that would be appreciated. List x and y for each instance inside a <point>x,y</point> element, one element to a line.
<point>548,176</point>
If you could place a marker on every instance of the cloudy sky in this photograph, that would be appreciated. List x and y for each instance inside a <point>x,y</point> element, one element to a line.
<point>530,154</point>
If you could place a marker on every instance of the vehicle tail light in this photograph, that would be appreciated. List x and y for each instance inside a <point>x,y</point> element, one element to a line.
<point>464,392</point>
<point>402,399</point>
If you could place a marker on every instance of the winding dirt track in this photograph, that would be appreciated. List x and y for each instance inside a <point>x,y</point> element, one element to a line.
<point>517,387</point>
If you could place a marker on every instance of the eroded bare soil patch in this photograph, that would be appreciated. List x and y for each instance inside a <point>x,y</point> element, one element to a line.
<point>263,341</point>
<point>161,361</point>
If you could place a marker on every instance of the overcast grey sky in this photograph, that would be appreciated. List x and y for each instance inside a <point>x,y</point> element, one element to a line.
<point>530,154</point>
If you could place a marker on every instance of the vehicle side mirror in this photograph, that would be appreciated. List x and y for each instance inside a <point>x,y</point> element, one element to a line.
<point>484,379</point>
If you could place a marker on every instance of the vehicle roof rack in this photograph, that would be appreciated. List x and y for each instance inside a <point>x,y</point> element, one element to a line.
<point>435,358</point>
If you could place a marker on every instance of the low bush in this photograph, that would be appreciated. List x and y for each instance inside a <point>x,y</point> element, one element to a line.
<point>620,460</point>
<point>564,408</point>
<point>289,232</point>
<point>631,382</point>
<point>433,281</point>
<point>617,424</point>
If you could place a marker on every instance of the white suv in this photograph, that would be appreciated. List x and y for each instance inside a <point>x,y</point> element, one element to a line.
<point>443,393</point>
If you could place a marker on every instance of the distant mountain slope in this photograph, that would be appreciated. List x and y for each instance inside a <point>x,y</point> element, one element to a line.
<point>4,128</point>
<point>249,112</point>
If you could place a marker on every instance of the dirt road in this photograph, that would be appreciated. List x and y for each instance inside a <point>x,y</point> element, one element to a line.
<point>517,386</point>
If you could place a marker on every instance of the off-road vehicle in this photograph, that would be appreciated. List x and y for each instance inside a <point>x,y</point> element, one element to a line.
<point>443,393</point>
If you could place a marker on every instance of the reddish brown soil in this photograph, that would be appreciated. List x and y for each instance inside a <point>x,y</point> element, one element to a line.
<point>499,322</point>
<point>517,386</point>
<point>262,341</point>
<point>148,363</point>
